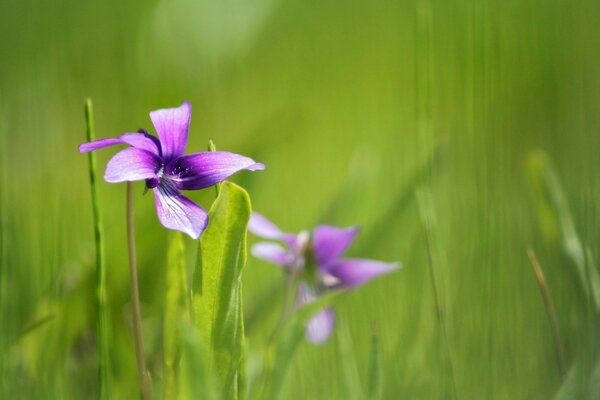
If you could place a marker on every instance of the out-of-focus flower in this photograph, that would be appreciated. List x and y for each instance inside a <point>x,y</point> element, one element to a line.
<point>162,164</point>
<point>317,257</point>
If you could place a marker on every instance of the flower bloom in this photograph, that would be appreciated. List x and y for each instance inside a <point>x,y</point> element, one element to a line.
<point>162,164</point>
<point>317,257</point>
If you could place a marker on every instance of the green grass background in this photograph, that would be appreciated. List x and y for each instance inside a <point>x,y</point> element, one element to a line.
<point>353,106</point>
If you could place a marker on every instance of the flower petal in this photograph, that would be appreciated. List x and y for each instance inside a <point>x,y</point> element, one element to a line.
<point>99,144</point>
<point>355,272</point>
<point>261,226</point>
<point>273,253</point>
<point>201,170</point>
<point>142,141</point>
<point>175,211</point>
<point>131,164</point>
<point>320,326</point>
<point>172,126</point>
<point>331,242</point>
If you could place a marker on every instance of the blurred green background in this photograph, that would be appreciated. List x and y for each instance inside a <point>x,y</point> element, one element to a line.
<point>355,107</point>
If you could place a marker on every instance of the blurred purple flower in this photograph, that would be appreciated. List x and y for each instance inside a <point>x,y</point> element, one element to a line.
<point>162,164</point>
<point>319,256</point>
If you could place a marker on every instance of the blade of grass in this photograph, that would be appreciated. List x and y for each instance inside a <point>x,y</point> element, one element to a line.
<point>176,310</point>
<point>26,331</point>
<point>102,321</point>
<point>374,379</point>
<point>197,380</point>
<point>550,310</point>
<point>554,214</point>
<point>426,209</point>
<point>349,369</point>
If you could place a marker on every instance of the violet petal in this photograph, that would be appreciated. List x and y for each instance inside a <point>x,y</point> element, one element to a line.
<point>261,226</point>
<point>331,242</point>
<point>175,211</point>
<point>320,326</point>
<point>142,141</point>
<point>131,164</point>
<point>172,126</point>
<point>355,272</point>
<point>99,144</point>
<point>201,170</point>
<point>273,253</point>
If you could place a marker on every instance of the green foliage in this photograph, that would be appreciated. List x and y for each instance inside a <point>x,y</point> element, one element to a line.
<point>177,313</point>
<point>351,106</point>
<point>279,355</point>
<point>374,381</point>
<point>216,299</point>
<point>555,215</point>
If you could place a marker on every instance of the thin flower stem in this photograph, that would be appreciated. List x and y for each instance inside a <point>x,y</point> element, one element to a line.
<point>144,376</point>
<point>102,322</point>
<point>550,310</point>
<point>212,147</point>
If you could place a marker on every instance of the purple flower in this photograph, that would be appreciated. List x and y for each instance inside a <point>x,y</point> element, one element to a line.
<point>318,256</point>
<point>162,164</point>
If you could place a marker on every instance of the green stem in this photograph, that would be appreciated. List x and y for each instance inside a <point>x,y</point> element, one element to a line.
<point>212,147</point>
<point>102,322</point>
<point>550,310</point>
<point>144,376</point>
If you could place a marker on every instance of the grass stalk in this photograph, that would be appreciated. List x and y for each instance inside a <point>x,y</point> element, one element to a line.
<point>101,299</point>
<point>144,376</point>
<point>439,306</point>
<point>550,310</point>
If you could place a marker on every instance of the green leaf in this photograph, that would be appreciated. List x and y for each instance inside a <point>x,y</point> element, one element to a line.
<point>176,311</point>
<point>217,302</point>
<point>582,380</point>
<point>555,218</point>
<point>196,379</point>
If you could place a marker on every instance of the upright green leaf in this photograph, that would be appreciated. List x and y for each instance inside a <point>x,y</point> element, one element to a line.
<point>196,379</point>
<point>217,302</point>
<point>176,311</point>
<point>555,218</point>
<point>374,381</point>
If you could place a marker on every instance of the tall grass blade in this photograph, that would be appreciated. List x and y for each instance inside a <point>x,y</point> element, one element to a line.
<point>176,312</point>
<point>426,210</point>
<point>196,378</point>
<point>555,218</point>
<point>550,310</point>
<point>374,378</point>
<point>348,367</point>
<point>102,322</point>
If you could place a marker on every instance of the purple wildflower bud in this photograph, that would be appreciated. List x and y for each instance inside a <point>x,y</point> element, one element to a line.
<point>161,163</point>
<point>324,248</point>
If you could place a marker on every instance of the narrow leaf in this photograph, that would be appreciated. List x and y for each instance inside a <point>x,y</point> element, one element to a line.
<point>374,382</point>
<point>176,312</point>
<point>217,302</point>
<point>555,217</point>
<point>196,379</point>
